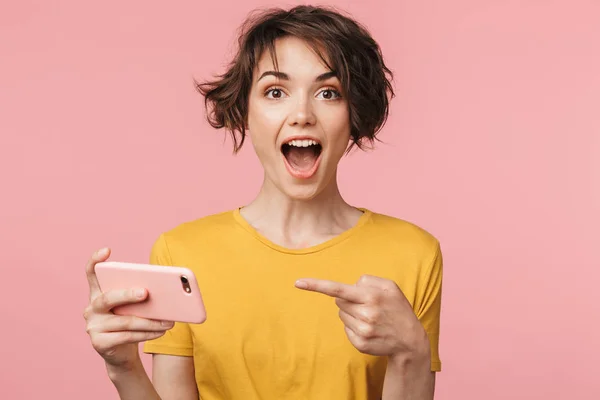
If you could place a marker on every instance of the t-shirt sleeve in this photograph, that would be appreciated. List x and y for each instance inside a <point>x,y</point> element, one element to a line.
<point>176,341</point>
<point>430,300</point>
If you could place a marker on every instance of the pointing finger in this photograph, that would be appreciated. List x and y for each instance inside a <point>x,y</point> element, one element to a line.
<point>332,289</point>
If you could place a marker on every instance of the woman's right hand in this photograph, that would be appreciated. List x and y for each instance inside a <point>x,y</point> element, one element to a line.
<point>116,337</point>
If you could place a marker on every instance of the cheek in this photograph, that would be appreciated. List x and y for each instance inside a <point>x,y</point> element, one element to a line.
<point>263,125</point>
<point>265,122</point>
<point>274,116</point>
<point>337,125</point>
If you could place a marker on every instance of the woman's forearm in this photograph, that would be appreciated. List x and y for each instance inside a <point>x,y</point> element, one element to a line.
<point>409,377</point>
<point>132,383</point>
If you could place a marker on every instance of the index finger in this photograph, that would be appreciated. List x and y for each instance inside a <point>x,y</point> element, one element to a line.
<point>332,289</point>
<point>98,256</point>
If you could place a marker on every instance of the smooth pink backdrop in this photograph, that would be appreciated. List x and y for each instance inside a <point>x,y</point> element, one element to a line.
<point>493,145</point>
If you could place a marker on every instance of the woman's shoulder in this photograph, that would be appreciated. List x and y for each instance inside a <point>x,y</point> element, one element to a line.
<point>398,229</point>
<point>206,226</point>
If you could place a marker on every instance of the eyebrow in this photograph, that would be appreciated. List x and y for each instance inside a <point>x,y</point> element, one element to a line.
<point>286,77</point>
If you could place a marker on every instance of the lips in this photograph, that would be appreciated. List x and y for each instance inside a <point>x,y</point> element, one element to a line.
<point>302,156</point>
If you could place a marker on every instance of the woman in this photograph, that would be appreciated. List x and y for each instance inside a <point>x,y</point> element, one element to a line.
<point>307,296</point>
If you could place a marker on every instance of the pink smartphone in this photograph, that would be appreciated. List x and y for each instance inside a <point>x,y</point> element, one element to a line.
<point>173,293</point>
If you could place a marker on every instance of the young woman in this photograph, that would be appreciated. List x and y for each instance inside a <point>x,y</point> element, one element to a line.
<point>308,297</point>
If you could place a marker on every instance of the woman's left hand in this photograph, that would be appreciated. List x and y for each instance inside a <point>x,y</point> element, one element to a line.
<point>377,317</point>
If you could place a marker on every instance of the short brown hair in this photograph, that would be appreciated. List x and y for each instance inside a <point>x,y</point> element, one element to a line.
<point>351,53</point>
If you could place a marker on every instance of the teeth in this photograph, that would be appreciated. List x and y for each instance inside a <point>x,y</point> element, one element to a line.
<point>302,143</point>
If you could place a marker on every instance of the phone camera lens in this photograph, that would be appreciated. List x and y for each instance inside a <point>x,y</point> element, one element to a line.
<point>184,280</point>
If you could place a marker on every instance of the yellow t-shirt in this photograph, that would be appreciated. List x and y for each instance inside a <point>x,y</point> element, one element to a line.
<point>266,339</point>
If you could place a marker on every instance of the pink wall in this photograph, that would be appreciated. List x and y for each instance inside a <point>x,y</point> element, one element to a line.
<point>493,145</point>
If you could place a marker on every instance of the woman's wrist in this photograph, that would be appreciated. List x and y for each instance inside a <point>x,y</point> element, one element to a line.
<point>132,382</point>
<point>420,351</point>
<point>118,373</point>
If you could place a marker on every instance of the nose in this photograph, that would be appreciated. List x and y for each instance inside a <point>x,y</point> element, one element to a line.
<point>302,113</point>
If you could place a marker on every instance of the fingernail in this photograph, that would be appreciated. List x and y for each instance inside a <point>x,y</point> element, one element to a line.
<point>301,284</point>
<point>167,323</point>
<point>140,293</point>
<point>102,252</point>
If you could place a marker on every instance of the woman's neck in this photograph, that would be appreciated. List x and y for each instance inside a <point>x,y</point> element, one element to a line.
<point>300,223</point>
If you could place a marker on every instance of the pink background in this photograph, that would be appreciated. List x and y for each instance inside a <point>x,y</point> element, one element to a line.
<point>493,145</point>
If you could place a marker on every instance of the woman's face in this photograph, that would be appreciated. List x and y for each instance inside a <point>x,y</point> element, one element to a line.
<point>298,120</point>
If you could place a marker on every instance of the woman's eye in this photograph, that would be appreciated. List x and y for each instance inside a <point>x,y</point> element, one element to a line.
<point>274,93</point>
<point>330,94</point>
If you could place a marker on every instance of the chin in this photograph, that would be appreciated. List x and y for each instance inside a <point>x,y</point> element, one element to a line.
<point>301,191</point>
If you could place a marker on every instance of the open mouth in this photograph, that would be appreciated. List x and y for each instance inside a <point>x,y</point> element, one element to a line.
<point>302,156</point>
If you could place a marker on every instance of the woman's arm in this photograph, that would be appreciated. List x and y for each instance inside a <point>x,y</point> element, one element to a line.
<point>172,378</point>
<point>409,377</point>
